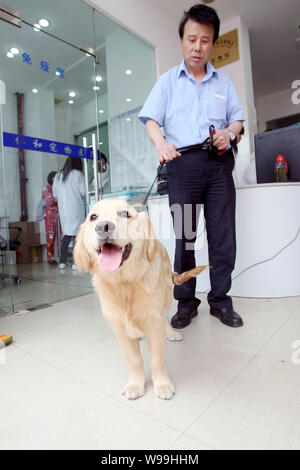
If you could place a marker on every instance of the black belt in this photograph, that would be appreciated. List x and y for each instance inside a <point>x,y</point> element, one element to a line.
<point>206,145</point>
<point>188,148</point>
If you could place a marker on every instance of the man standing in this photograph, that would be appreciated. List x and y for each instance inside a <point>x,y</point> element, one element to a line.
<point>185,101</point>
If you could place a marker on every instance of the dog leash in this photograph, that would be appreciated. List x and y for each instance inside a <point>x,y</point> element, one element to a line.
<point>149,192</point>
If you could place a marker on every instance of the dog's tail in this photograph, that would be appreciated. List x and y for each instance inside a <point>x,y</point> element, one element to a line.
<point>183,277</point>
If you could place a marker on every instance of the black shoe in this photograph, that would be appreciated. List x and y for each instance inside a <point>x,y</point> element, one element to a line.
<point>183,317</point>
<point>227,316</point>
<point>52,262</point>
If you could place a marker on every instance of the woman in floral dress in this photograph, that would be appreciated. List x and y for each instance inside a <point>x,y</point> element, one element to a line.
<point>51,217</point>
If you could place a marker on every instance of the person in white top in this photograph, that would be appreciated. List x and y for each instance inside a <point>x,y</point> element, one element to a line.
<point>103,176</point>
<point>69,190</point>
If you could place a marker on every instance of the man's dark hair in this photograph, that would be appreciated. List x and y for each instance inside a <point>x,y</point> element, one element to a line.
<point>202,14</point>
<point>50,177</point>
<point>103,157</point>
<point>102,161</point>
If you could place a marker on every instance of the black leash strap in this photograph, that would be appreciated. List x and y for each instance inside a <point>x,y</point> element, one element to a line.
<point>149,192</point>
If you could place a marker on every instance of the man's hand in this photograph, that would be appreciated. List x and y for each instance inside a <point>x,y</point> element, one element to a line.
<point>221,139</point>
<point>166,152</point>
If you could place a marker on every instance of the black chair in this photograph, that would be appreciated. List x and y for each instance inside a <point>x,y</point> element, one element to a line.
<point>12,245</point>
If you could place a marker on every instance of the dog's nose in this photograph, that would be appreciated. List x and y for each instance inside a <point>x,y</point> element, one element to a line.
<point>105,228</point>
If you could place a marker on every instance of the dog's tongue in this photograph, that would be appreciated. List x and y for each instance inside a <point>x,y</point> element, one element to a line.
<point>110,257</point>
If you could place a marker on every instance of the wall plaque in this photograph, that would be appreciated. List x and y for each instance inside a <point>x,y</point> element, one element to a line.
<point>226,49</point>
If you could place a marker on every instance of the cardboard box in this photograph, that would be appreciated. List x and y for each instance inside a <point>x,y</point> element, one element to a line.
<point>30,235</point>
<point>29,254</point>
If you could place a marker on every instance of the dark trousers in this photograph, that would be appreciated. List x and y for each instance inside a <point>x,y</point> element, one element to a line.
<point>64,248</point>
<point>202,177</point>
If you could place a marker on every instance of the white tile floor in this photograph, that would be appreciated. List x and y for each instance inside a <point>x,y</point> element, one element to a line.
<point>44,284</point>
<point>61,382</point>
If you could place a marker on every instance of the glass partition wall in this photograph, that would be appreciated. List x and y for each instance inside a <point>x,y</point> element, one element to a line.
<point>66,73</point>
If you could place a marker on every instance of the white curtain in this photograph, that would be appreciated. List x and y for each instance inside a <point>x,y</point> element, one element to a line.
<point>133,158</point>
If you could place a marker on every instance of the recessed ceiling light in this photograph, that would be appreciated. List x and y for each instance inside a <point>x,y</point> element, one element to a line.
<point>14,50</point>
<point>71,101</point>
<point>128,72</point>
<point>72,94</point>
<point>9,55</point>
<point>35,90</point>
<point>99,78</point>
<point>101,111</point>
<point>128,119</point>
<point>100,143</point>
<point>37,27</point>
<point>44,22</point>
<point>96,88</point>
<point>128,100</point>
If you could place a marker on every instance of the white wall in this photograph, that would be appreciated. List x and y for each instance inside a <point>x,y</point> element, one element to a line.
<point>240,73</point>
<point>275,106</point>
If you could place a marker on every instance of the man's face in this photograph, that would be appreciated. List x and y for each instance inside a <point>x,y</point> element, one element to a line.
<point>102,165</point>
<point>197,45</point>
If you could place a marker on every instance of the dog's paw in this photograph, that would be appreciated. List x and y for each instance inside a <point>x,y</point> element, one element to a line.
<point>133,391</point>
<point>165,391</point>
<point>174,336</point>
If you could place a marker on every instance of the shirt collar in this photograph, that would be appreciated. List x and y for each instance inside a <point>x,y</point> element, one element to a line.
<point>210,70</point>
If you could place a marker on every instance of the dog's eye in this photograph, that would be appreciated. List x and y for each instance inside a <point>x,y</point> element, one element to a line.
<point>93,217</point>
<point>124,214</point>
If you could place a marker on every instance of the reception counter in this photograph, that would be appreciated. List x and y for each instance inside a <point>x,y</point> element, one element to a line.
<point>268,240</point>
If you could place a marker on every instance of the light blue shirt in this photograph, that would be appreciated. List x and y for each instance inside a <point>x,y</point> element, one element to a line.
<point>186,110</point>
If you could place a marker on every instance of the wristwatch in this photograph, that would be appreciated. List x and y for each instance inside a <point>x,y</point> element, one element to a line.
<point>232,135</point>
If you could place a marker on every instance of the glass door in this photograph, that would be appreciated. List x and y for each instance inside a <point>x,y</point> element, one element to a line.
<point>6,298</point>
<point>48,97</point>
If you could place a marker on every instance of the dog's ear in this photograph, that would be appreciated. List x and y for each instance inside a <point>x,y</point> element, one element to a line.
<point>151,242</point>
<point>82,257</point>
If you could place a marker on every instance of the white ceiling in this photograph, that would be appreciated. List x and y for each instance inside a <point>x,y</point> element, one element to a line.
<point>273,27</point>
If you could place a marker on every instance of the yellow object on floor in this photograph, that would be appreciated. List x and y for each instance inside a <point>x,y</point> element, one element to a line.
<point>6,339</point>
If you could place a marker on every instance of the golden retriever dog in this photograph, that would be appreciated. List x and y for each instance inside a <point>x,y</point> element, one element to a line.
<point>133,279</point>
